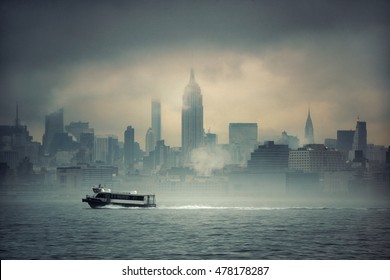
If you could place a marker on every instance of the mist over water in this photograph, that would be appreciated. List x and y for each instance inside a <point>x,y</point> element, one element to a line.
<point>54,224</point>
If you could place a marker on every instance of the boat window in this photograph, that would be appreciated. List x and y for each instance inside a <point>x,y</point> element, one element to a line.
<point>126,197</point>
<point>103,195</point>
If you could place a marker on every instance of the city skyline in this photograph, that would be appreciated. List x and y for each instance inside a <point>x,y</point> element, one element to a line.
<point>255,63</point>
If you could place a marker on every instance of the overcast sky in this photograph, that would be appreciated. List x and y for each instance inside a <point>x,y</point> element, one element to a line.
<point>255,61</point>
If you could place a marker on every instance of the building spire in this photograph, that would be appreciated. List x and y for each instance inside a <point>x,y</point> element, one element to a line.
<point>192,76</point>
<point>309,131</point>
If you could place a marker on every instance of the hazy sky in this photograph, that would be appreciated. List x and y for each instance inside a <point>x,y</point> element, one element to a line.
<point>255,61</point>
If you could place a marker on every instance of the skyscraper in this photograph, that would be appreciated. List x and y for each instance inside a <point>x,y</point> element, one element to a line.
<point>242,141</point>
<point>150,141</point>
<point>309,132</point>
<point>345,141</point>
<point>156,120</point>
<point>54,123</point>
<point>360,138</point>
<point>192,118</point>
<point>101,149</point>
<point>129,146</point>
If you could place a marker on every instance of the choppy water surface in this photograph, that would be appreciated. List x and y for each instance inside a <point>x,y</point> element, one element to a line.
<point>46,225</point>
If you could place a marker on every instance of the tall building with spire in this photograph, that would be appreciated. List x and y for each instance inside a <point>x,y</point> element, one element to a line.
<point>17,150</point>
<point>192,131</point>
<point>309,132</point>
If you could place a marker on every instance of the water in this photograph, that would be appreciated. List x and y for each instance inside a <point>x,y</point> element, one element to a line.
<point>51,225</point>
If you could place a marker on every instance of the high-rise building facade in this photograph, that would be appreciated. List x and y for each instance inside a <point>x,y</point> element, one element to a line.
<point>87,142</point>
<point>129,147</point>
<point>360,138</point>
<point>345,140</point>
<point>316,158</point>
<point>54,123</point>
<point>106,148</point>
<point>156,120</point>
<point>269,157</point>
<point>192,132</point>
<point>309,131</point>
<point>101,149</point>
<point>242,141</point>
<point>150,141</point>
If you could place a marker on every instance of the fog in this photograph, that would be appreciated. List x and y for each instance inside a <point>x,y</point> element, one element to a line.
<point>206,161</point>
<point>257,192</point>
<point>261,62</point>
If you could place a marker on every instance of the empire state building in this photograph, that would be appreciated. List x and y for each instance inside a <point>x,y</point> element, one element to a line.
<point>191,118</point>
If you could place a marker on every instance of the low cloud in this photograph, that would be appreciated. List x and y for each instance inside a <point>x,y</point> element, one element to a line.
<point>255,61</point>
<point>205,161</point>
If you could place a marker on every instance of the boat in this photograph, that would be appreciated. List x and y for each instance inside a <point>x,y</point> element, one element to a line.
<point>103,196</point>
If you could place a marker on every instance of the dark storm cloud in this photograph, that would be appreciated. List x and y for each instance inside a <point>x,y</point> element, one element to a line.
<point>38,33</point>
<point>42,42</point>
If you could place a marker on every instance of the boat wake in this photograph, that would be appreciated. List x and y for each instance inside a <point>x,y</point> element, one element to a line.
<point>249,208</point>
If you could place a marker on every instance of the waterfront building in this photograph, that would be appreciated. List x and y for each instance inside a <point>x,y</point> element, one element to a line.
<point>69,176</point>
<point>316,158</point>
<point>85,175</point>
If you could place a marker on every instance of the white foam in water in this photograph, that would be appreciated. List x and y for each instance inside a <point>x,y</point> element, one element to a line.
<point>251,208</point>
<point>207,207</point>
<point>111,206</point>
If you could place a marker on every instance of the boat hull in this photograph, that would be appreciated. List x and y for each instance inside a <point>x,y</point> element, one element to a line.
<point>97,203</point>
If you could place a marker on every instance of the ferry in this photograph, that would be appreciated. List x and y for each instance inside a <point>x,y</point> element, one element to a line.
<point>104,196</point>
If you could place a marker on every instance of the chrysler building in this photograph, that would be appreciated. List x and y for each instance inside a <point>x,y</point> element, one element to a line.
<point>309,133</point>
